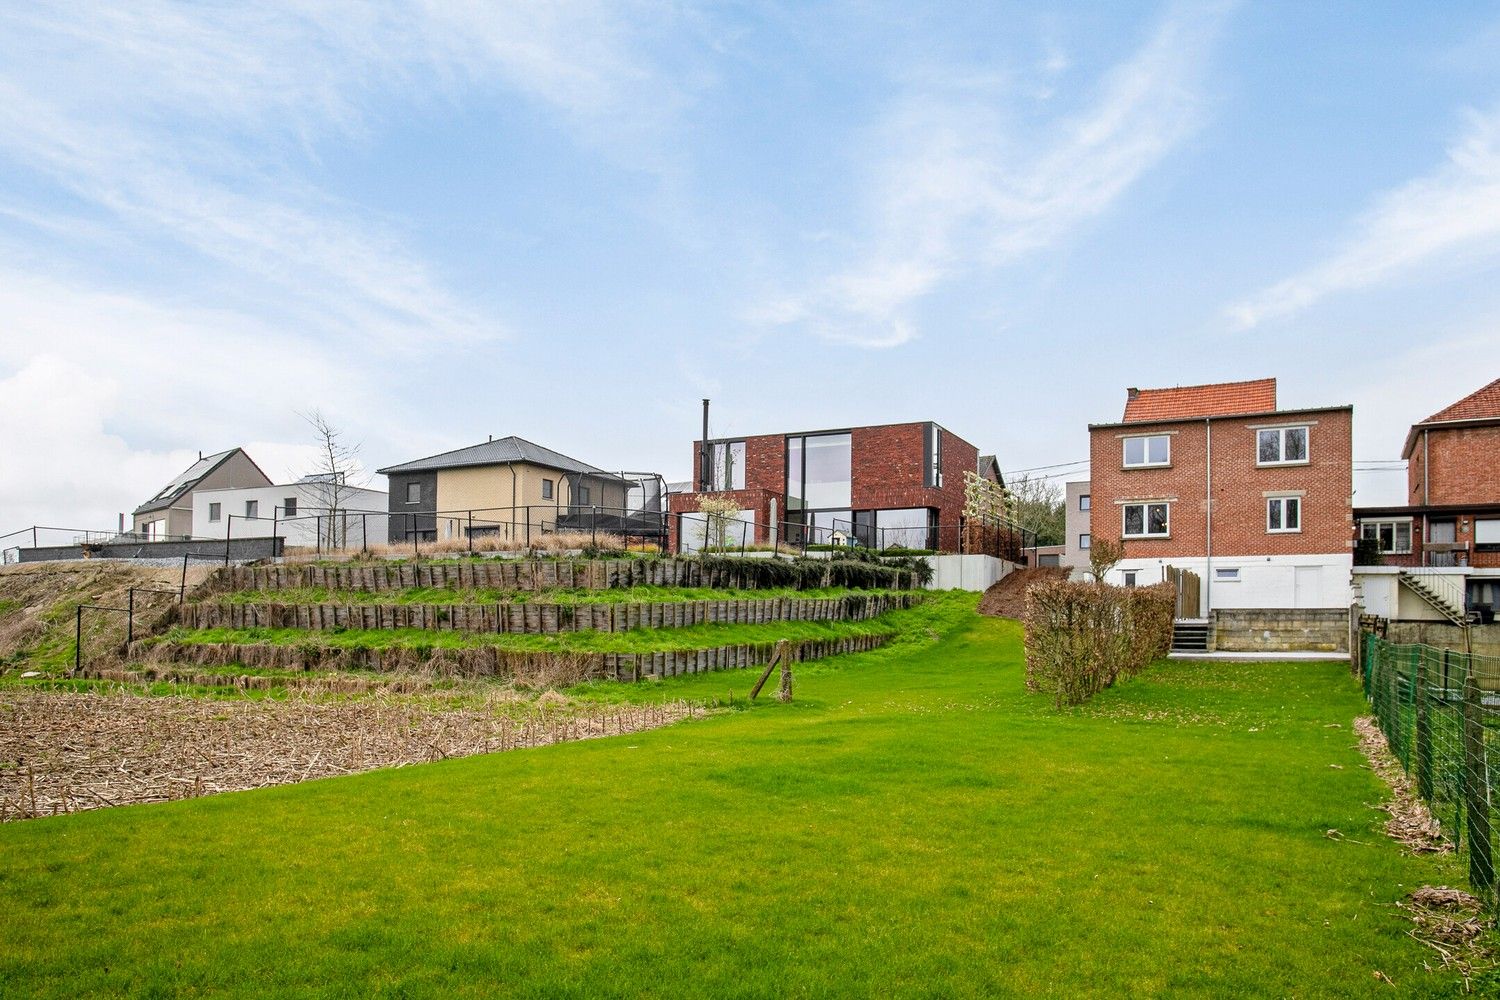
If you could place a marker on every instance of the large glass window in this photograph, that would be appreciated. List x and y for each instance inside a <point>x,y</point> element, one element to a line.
<point>727,459</point>
<point>1155,449</point>
<point>907,528</point>
<point>934,474</point>
<point>826,522</point>
<point>819,473</point>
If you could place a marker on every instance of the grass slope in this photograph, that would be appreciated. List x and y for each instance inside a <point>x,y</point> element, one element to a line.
<point>914,824</point>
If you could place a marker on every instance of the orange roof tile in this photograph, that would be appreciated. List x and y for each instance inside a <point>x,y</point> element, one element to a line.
<point>1218,399</point>
<point>1482,404</point>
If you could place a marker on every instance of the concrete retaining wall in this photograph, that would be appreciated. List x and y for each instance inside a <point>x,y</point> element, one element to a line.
<point>240,550</point>
<point>540,617</point>
<point>1248,630</point>
<point>973,572</point>
<point>1445,635</point>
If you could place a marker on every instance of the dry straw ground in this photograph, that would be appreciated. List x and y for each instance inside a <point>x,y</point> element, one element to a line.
<point>63,752</point>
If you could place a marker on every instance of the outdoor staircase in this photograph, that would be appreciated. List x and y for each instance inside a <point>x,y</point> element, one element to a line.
<point>1439,591</point>
<point>1190,635</point>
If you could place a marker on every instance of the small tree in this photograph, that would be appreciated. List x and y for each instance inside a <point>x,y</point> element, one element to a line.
<point>1104,555</point>
<point>335,478</point>
<point>1039,505</point>
<point>718,513</point>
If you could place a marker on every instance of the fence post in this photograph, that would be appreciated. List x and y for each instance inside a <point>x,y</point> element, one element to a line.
<point>129,616</point>
<point>318,529</point>
<point>77,638</point>
<point>471,532</point>
<point>364,533</point>
<point>783,653</point>
<point>1477,789</point>
<point>1424,731</point>
<point>228,532</point>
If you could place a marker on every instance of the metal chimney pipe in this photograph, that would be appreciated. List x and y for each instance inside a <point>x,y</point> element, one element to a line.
<point>705,466</point>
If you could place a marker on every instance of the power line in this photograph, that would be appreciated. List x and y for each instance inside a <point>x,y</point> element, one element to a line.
<point>1039,468</point>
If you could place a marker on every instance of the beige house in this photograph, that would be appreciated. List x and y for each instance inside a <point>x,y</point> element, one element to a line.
<point>169,514</point>
<point>511,487</point>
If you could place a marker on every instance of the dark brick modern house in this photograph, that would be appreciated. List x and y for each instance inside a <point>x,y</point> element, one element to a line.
<point>1216,480</point>
<point>890,485</point>
<point>1452,512</point>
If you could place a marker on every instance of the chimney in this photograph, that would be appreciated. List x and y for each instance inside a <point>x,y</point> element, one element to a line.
<point>200,454</point>
<point>1132,392</point>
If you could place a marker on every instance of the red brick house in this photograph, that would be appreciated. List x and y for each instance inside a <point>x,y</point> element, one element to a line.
<point>890,485</point>
<point>1217,480</point>
<point>1452,513</point>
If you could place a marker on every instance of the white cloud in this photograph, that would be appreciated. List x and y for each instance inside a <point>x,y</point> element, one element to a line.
<point>956,188</point>
<point>1453,210</point>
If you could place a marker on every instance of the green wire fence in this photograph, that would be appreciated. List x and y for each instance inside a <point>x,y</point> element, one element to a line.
<point>1440,712</point>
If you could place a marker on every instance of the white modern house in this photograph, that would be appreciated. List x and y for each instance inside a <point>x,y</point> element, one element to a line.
<point>313,512</point>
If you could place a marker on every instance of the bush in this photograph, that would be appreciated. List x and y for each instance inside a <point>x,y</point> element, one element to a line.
<point>1082,637</point>
<point>806,574</point>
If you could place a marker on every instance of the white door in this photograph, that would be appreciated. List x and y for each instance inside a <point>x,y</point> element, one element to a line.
<point>1307,587</point>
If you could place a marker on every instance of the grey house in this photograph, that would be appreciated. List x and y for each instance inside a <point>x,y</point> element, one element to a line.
<point>169,514</point>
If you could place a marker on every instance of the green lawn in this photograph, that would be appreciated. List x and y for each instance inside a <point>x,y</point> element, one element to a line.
<point>914,824</point>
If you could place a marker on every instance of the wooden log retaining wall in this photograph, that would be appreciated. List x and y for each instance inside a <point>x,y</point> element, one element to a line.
<point>543,618</point>
<point>497,574</point>
<point>489,661</point>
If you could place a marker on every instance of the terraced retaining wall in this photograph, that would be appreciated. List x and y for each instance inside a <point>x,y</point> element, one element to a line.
<point>489,661</point>
<point>499,574</point>
<point>542,618</point>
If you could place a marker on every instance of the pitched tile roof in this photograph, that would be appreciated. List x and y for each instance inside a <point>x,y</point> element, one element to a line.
<point>1482,404</point>
<point>1215,400</point>
<point>501,451</point>
<point>188,479</point>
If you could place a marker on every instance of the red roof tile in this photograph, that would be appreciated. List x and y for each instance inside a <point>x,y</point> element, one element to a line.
<point>1481,404</point>
<point>1218,399</point>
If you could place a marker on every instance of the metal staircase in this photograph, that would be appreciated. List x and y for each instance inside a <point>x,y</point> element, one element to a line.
<point>1190,635</point>
<point>1444,592</point>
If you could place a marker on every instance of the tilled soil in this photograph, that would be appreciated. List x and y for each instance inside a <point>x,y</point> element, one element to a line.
<point>62,752</point>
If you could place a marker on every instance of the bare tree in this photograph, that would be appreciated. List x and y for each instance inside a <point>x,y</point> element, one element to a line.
<point>1104,555</point>
<point>1039,506</point>
<point>336,478</point>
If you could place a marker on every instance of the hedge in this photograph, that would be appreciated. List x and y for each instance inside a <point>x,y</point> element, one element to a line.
<point>1082,637</point>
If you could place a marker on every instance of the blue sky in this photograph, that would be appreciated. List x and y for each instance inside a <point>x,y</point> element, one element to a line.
<point>570,222</point>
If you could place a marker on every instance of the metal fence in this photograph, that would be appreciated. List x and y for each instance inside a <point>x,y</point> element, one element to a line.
<point>1440,712</point>
<point>729,533</point>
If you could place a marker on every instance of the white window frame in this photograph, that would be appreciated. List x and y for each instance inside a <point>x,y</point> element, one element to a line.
<point>1283,500</point>
<point>1226,574</point>
<point>1145,506</point>
<point>1145,452</point>
<point>252,508</point>
<point>549,488</point>
<point>215,512</point>
<point>1377,523</point>
<point>1281,433</point>
<point>1129,577</point>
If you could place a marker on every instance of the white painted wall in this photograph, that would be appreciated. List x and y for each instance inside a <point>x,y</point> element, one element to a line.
<point>301,530</point>
<point>971,572</point>
<point>1300,581</point>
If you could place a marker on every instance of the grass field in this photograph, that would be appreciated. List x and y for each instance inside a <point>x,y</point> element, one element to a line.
<point>914,824</point>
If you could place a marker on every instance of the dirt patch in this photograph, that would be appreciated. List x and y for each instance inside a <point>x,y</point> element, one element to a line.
<point>1007,599</point>
<point>1452,923</point>
<point>64,752</point>
<point>37,604</point>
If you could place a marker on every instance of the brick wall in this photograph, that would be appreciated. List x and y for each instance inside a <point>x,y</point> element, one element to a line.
<point>1465,466</point>
<point>1239,485</point>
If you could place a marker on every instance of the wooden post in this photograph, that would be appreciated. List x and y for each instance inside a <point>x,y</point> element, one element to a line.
<point>1477,790</point>
<point>777,656</point>
<point>1424,730</point>
<point>784,695</point>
